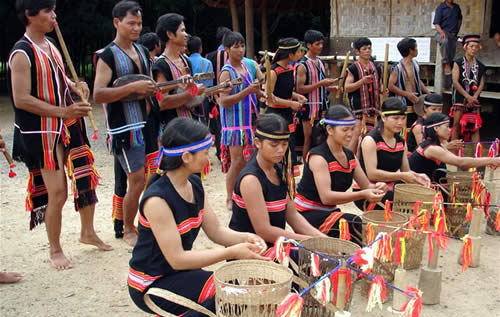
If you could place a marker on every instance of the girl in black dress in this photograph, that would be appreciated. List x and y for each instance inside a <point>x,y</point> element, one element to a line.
<point>261,200</point>
<point>383,152</point>
<point>172,211</point>
<point>328,173</point>
<point>431,154</point>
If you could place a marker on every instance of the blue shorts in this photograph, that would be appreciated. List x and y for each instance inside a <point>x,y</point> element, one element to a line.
<point>132,159</point>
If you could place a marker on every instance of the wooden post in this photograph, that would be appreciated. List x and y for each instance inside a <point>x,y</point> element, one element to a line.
<point>475,238</point>
<point>264,30</point>
<point>400,281</point>
<point>386,73</point>
<point>249,28</point>
<point>430,279</point>
<point>234,16</point>
<point>438,72</point>
<point>343,73</point>
<point>341,292</point>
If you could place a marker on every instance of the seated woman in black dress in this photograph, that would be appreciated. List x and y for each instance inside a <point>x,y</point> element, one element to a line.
<point>328,173</point>
<point>171,212</point>
<point>261,199</point>
<point>383,152</point>
<point>431,155</point>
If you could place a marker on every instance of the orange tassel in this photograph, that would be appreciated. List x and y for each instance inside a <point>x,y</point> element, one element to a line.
<point>497,221</point>
<point>437,201</point>
<point>453,193</point>
<point>442,241</point>
<point>387,211</point>
<point>413,306</point>
<point>431,248</point>
<point>382,249</point>
<point>399,248</point>
<point>409,233</point>
<point>468,215</point>
<point>376,294</point>
<point>370,233</point>
<point>416,207</point>
<point>344,230</point>
<point>425,219</point>
<point>206,170</point>
<point>315,271</point>
<point>291,306</point>
<point>466,253</point>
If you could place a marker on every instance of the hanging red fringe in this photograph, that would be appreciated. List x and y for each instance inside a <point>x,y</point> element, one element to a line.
<point>486,202</point>
<point>370,233</point>
<point>416,207</point>
<point>291,306</point>
<point>468,215</point>
<point>387,211</point>
<point>437,202</point>
<point>425,219</point>
<point>344,230</point>
<point>315,271</point>
<point>466,253</point>
<point>206,170</point>
<point>323,291</point>
<point>442,241</point>
<point>334,278</point>
<point>409,233</point>
<point>376,294</point>
<point>364,258</point>
<point>497,221</point>
<point>282,251</point>
<point>413,306</point>
<point>382,249</point>
<point>479,150</point>
<point>493,152</point>
<point>400,249</point>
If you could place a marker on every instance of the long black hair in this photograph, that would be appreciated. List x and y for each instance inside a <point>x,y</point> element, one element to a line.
<point>391,104</point>
<point>335,112</point>
<point>284,52</point>
<point>178,132</point>
<point>430,133</point>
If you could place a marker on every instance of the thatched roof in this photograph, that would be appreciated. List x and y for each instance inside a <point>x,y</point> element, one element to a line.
<point>274,5</point>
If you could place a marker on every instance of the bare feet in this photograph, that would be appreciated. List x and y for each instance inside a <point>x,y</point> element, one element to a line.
<point>10,277</point>
<point>229,204</point>
<point>59,261</point>
<point>130,237</point>
<point>95,241</point>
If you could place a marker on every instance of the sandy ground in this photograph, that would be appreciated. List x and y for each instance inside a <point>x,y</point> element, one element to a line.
<point>97,283</point>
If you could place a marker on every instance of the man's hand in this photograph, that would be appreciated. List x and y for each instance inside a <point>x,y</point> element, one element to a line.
<point>442,35</point>
<point>253,88</point>
<point>328,82</point>
<point>412,97</point>
<point>85,91</point>
<point>144,87</point>
<point>367,79</point>
<point>77,110</point>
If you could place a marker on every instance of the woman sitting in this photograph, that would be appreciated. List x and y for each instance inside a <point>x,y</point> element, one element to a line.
<point>261,199</point>
<point>383,152</point>
<point>328,173</point>
<point>431,155</point>
<point>171,212</point>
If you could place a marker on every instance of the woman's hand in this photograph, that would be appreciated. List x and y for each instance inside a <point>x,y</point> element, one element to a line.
<point>381,186</point>
<point>246,250</point>
<point>258,241</point>
<point>373,195</point>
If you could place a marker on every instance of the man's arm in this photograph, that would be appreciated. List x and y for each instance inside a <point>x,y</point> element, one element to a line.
<point>21,93</point>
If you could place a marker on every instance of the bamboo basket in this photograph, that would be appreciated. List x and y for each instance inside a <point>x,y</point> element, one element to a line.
<point>250,288</point>
<point>404,196</point>
<point>386,270</point>
<point>336,249</point>
<point>462,181</point>
<point>456,222</point>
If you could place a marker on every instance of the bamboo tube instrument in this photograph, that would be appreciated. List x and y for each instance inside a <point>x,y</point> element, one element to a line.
<point>343,73</point>
<point>386,74</point>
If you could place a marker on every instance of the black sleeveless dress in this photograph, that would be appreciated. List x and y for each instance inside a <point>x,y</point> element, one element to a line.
<point>421,164</point>
<point>148,266</point>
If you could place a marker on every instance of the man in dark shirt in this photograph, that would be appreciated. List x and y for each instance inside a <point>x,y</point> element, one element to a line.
<point>447,21</point>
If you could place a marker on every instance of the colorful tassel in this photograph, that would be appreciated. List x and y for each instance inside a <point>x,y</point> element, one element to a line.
<point>468,215</point>
<point>442,241</point>
<point>323,291</point>
<point>387,211</point>
<point>466,253</point>
<point>492,152</point>
<point>370,233</point>
<point>440,223</point>
<point>460,152</point>
<point>291,306</point>
<point>486,202</point>
<point>453,193</point>
<point>479,150</point>
<point>344,230</point>
<point>206,170</point>
<point>282,251</point>
<point>334,278</point>
<point>364,258</point>
<point>315,271</point>
<point>400,249</point>
<point>413,306</point>
<point>376,294</point>
<point>416,207</point>
<point>497,221</point>
<point>382,249</point>
<point>431,248</point>
<point>425,219</point>
<point>437,202</point>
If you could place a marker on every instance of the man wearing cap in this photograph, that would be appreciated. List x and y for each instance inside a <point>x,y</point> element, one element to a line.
<point>468,83</point>
<point>447,21</point>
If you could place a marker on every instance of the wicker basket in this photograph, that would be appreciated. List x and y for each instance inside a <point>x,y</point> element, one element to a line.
<point>250,288</point>
<point>404,196</point>
<point>457,224</point>
<point>462,181</point>
<point>386,270</point>
<point>336,249</point>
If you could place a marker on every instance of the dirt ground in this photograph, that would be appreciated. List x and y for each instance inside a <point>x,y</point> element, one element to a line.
<point>97,284</point>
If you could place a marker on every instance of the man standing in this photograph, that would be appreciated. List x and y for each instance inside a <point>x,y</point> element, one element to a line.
<point>405,82</point>
<point>126,120</point>
<point>200,64</point>
<point>50,130</point>
<point>152,42</point>
<point>447,21</point>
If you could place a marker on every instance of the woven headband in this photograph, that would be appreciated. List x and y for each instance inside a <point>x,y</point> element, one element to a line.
<point>272,136</point>
<point>348,122</point>
<point>437,124</point>
<point>179,150</point>
<point>432,104</point>
<point>394,113</point>
<point>472,39</point>
<point>289,47</point>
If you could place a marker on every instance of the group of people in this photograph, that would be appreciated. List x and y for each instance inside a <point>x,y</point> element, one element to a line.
<point>160,151</point>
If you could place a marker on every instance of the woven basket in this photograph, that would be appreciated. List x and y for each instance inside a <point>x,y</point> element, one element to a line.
<point>462,181</point>
<point>404,196</point>
<point>250,288</point>
<point>336,249</point>
<point>386,270</point>
<point>457,224</point>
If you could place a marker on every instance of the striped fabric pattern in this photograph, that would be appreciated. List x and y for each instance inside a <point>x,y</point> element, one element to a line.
<point>139,280</point>
<point>304,204</point>
<point>384,147</point>
<point>316,97</point>
<point>271,206</point>
<point>327,225</point>
<point>191,223</point>
<point>336,167</point>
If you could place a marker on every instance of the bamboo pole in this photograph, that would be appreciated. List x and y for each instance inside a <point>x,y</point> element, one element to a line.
<point>234,16</point>
<point>343,73</point>
<point>264,27</point>
<point>72,70</point>
<point>249,28</point>
<point>386,73</point>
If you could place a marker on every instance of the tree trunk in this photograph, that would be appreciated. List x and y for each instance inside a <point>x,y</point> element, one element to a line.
<point>249,28</point>
<point>264,30</point>
<point>234,16</point>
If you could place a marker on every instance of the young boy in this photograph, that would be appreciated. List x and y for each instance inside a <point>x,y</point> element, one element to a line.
<point>405,82</point>
<point>312,83</point>
<point>50,130</point>
<point>468,83</point>
<point>363,85</point>
<point>126,120</point>
<point>237,107</point>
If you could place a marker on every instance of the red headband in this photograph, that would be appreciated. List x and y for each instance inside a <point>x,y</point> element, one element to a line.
<point>472,39</point>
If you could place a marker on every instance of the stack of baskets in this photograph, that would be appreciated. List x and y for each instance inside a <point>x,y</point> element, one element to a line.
<point>461,184</point>
<point>251,288</point>
<point>334,248</point>
<point>386,270</point>
<point>404,197</point>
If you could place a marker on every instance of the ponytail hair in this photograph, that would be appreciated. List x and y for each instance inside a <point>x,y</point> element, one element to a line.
<point>335,112</point>
<point>286,47</point>
<point>428,129</point>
